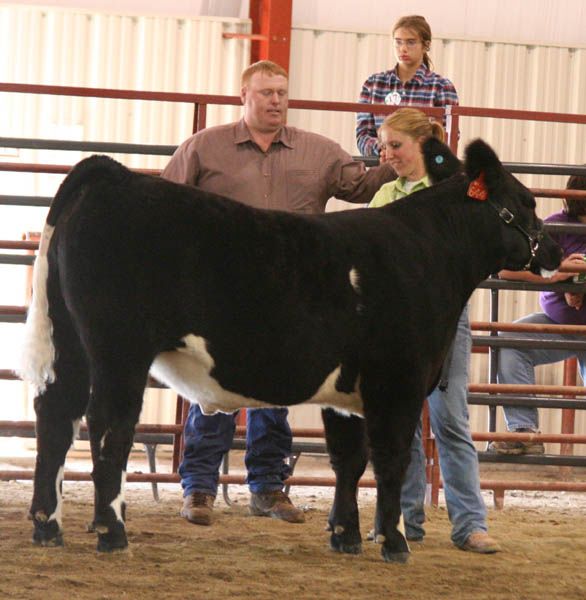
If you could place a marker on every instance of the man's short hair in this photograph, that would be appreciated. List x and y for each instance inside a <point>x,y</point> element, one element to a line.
<point>262,66</point>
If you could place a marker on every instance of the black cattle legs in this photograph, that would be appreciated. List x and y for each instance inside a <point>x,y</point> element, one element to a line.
<point>59,410</point>
<point>113,412</point>
<point>346,443</point>
<point>391,415</point>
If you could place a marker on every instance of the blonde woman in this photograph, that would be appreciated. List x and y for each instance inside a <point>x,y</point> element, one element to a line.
<point>401,136</point>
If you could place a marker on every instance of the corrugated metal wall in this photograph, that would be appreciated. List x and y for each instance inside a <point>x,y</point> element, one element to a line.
<point>78,48</point>
<point>73,47</point>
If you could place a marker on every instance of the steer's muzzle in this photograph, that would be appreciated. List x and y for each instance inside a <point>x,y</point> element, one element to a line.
<point>546,255</point>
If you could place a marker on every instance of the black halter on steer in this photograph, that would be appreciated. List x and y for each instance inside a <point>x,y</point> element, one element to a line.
<point>533,239</point>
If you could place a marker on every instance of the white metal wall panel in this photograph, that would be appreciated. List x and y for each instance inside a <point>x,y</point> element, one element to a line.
<point>79,48</point>
<point>530,21</point>
<point>68,47</point>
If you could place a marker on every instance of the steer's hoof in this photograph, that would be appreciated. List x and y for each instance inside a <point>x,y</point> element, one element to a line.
<point>394,547</point>
<point>396,557</point>
<point>112,539</point>
<point>47,534</point>
<point>345,543</point>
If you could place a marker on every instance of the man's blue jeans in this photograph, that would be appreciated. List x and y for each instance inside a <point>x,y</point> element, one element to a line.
<point>517,365</point>
<point>208,438</point>
<point>448,413</point>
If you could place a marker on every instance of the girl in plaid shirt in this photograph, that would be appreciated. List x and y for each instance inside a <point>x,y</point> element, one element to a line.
<point>410,82</point>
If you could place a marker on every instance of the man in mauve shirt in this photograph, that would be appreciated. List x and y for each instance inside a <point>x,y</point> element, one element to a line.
<point>261,162</point>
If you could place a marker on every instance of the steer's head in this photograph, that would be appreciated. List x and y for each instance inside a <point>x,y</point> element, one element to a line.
<point>527,245</point>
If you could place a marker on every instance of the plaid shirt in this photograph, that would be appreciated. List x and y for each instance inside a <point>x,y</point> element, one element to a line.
<point>424,89</point>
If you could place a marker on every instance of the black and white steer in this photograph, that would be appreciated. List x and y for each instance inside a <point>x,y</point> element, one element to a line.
<point>234,306</point>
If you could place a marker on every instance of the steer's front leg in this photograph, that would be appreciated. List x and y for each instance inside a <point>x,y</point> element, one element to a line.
<point>346,442</point>
<point>390,426</point>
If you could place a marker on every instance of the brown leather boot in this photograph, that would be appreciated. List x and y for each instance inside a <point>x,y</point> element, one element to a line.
<point>198,508</point>
<point>481,542</point>
<point>275,504</point>
<point>517,448</point>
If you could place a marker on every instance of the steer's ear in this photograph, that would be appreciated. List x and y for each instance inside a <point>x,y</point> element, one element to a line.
<point>440,163</point>
<point>481,161</point>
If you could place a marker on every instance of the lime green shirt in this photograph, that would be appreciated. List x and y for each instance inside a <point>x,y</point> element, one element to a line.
<point>393,190</point>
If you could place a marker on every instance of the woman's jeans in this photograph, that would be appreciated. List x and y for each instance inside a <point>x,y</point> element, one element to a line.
<point>448,413</point>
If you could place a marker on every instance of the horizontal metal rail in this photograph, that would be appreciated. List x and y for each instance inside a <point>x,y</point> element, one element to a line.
<point>510,285</point>
<point>513,388</point>
<point>55,169</point>
<point>522,115</point>
<point>82,146</point>
<point>25,200</point>
<point>528,327</point>
<point>552,460</point>
<point>511,342</point>
<point>518,400</point>
<point>16,259</point>
<point>544,169</point>
<point>558,486</point>
<point>26,427</point>
<point>19,245</point>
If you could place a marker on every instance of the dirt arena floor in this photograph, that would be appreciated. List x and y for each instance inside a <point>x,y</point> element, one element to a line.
<point>543,536</point>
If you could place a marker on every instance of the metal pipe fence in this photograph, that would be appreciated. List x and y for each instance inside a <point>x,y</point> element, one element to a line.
<point>490,394</point>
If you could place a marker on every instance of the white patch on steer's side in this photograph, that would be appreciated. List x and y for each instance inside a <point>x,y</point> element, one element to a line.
<point>38,352</point>
<point>58,512</point>
<point>355,283</point>
<point>355,280</point>
<point>117,503</point>
<point>327,395</point>
<point>187,371</point>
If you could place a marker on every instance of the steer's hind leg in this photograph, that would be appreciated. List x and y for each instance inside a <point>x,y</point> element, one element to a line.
<point>59,410</point>
<point>346,441</point>
<point>56,428</point>
<point>391,413</point>
<point>112,415</point>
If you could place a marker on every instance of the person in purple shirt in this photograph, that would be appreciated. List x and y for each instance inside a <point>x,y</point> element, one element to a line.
<point>411,82</point>
<point>517,365</point>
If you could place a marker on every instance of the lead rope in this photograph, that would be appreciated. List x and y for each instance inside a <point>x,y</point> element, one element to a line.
<point>445,372</point>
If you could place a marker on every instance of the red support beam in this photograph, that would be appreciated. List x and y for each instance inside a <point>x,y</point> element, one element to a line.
<point>271,26</point>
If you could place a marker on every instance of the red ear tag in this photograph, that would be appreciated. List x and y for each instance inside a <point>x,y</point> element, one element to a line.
<point>477,188</point>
